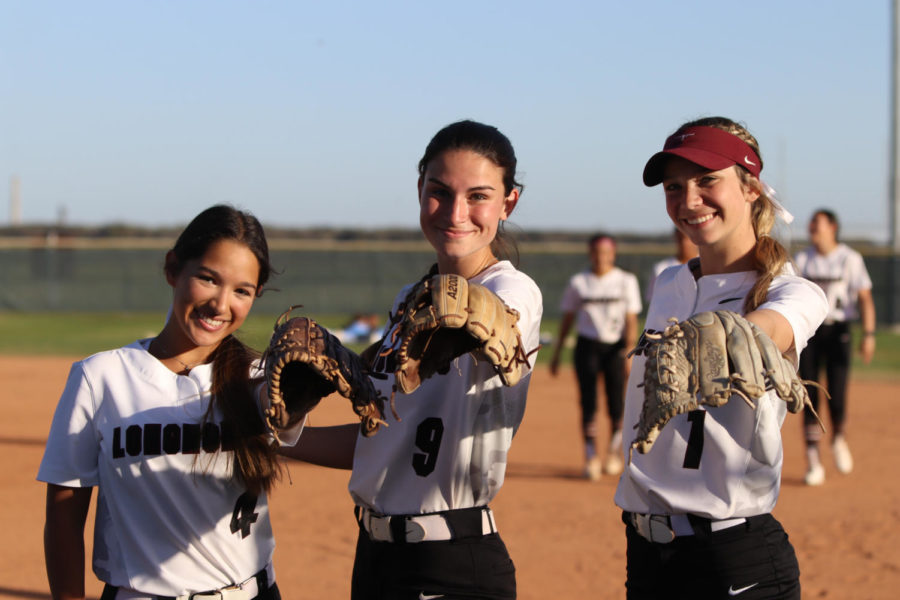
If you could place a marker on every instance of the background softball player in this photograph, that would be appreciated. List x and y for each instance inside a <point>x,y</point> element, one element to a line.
<point>603,302</point>
<point>697,505</point>
<point>685,250</point>
<point>168,431</point>
<point>430,476</point>
<point>841,273</point>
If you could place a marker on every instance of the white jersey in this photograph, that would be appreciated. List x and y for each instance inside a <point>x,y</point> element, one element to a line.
<point>601,302</point>
<point>449,450</point>
<point>719,462</point>
<point>169,517</point>
<point>658,268</point>
<point>842,274</point>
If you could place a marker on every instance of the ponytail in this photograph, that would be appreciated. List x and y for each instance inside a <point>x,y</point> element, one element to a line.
<point>769,256</point>
<point>255,459</point>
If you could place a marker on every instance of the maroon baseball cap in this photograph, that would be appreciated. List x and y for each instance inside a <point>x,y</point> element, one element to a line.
<point>709,147</point>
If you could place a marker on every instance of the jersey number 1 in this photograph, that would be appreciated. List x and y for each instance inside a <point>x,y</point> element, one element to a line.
<point>695,440</point>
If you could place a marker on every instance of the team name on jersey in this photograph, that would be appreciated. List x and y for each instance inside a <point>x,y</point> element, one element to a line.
<point>602,300</point>
<point>824,280</point>
<point>153,439</point>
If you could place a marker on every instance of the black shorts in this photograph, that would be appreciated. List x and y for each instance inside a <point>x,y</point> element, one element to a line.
<point>472,567</point>
<point>749,561</point>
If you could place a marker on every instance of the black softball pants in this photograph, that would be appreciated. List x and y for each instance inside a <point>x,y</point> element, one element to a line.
<point>753,560</point>
<point>829,347</point>
<point>468,568</point>
<point>592,358</point>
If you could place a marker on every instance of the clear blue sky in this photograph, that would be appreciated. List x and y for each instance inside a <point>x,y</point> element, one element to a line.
<point>309,113</point>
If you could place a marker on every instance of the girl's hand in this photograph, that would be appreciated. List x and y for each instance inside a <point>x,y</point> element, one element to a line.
<point>867,347</point>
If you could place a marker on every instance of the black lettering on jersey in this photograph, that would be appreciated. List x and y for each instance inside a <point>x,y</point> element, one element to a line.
<point>211,437</point>
<point>117,450</point>
<point>244,514</point>
<point>602,300</point>
<point>824,280</point>
<point>153,439</point>
<point>133,439</point>
<point>190,438</point>
<point>428,439</point>
<point>172,438</point>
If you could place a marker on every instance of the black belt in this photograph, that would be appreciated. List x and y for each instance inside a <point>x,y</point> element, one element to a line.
<point>663,529</point>
<point>262,584</point>
<point>441,526</point>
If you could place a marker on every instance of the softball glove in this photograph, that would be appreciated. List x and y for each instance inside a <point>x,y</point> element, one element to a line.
<point>705,360</point>
<point>446,316</point>
<point>304,363</point>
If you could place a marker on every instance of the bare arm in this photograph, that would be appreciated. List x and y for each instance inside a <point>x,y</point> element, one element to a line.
<point>66,513</point>
<point>775,326</point>
<point>564,327</point>
<point>867,316</point>
<point>325,446</point>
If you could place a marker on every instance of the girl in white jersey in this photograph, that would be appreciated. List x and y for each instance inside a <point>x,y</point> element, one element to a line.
<point>422,485</point>
<point>603,303</point>
<point>697,505</point>
<point>841,272</point>
<point>169,432</point>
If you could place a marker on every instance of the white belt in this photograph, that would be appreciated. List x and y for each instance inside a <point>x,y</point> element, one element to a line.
<point>662,529</point>
<point>246,590</point>
<point>419,528</point>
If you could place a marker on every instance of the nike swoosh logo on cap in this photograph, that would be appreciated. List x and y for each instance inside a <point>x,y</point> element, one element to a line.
<point>749,162</point>
<point>735,592</point>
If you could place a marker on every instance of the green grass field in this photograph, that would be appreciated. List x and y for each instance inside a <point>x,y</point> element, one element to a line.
<point>82,334</point>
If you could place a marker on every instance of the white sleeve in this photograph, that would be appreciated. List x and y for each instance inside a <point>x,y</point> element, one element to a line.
<point>802,303</point>
<point>571,300</point>
<point>73,447</point>
<point>523,295</point>
<point>858,275</point>
<point>633,295</point>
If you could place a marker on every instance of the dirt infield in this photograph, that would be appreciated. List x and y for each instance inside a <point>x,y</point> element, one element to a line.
<point>564,533</point>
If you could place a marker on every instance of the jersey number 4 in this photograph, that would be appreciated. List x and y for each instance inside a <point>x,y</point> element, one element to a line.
<point>244,514</point>
<point>428,440</point>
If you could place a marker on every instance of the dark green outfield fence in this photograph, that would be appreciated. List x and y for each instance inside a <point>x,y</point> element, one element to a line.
<point>45,279</point>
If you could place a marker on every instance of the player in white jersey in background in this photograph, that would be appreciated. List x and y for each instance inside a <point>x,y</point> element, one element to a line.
<point>422,485</point>
<point>603,303</point>
<point>169,431</point>
<point>685,250</point>
<point>697,505</point>
<point>842,274</point>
